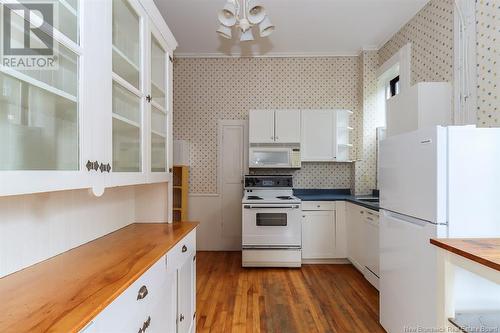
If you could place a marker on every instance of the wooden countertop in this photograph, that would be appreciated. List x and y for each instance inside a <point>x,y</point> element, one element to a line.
<point>485,251</point>
<point>63,293</point>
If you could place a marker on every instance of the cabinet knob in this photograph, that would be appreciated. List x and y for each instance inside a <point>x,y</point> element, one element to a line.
<point>184,248</point>
<point>170,170</point>
<point>181,318</point>
<point>89,165</point>
<point>149,98</point>
<point>95,165</point>
<point>143,292</point>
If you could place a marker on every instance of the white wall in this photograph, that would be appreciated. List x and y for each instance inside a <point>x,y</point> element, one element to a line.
<point>38,226</point>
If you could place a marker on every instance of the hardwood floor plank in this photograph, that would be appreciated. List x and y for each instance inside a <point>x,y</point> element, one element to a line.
<point>314,298</point>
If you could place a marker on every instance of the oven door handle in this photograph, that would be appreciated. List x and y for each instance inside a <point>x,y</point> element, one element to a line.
<point>271,207</point>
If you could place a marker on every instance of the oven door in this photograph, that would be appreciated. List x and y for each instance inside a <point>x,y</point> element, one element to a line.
<point>271,226</point>
<point>266,157</point>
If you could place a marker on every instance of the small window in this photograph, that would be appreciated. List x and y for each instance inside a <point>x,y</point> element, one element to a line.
<point>393,88</point>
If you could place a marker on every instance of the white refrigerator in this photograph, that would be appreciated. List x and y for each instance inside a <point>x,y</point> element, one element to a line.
<point>434,182</point>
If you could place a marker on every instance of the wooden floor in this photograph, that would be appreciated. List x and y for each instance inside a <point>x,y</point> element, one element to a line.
<point>314,298</point>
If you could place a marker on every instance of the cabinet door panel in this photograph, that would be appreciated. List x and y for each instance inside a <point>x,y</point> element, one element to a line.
<point>318,235</point>
<point>186,299</point>
<point>261,126</point>
<point>287,124</point>
<point>318,135</point>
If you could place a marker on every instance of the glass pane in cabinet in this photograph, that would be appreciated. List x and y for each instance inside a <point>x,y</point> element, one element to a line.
<point>62,77</point>
<point>65,16</point>
<point>158,141</point>
<point>158,72</point>
<point>38,128</point>
<point>67,19</point>
<point>126,131</point>
<point>126,42</point>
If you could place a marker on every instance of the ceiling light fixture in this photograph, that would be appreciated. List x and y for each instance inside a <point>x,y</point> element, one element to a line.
<point>244,14</point>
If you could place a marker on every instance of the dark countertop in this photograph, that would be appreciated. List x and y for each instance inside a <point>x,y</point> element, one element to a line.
<point>334,195</point>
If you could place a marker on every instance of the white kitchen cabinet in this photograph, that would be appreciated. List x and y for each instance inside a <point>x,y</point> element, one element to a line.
<point>287,126</point>
<point>104,117</point>
<point>318,136</point>
<point>91,123</point>
<point>274,126</point>
<point>318,235</point>
<point>186,311</point>
<point>355,248</point>
<point>370,236</point>
<point>261,126</point>
<point>322,237</point>
<point>325,135</point>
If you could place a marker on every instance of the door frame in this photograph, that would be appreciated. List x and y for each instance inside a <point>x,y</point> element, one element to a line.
<point>220,125</point>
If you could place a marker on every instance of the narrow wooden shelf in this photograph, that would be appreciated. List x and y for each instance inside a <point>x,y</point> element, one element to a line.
<point>181,186</point>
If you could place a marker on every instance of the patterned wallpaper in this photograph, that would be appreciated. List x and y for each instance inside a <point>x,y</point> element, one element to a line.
<point>206,90</point>
<point>366,168</point>
<point>488,58</point>
<point>431,35</point>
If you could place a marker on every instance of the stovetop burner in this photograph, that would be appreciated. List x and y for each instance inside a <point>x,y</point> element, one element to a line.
<point>254,197</point>
<point>284,197</point>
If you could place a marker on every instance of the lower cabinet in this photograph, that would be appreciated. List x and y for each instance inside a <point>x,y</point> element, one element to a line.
<point>355,245</point>
<point>322,234</point>
<point>163,299</point>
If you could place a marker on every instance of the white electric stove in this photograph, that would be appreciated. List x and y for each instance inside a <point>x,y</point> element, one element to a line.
<point>271,229</point>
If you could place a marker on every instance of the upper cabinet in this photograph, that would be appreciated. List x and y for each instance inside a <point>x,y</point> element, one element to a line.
<point>274,126</point>
<point>102,117</point>
<point>325,135</point>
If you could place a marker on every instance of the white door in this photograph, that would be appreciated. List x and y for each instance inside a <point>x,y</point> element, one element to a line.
<point>318,235</point>
<point>231,172</point>
<point>318,135</point>
<point>287,126</point>
<point>261,126</point>
<point>408,268</point>
<point>413,174</point>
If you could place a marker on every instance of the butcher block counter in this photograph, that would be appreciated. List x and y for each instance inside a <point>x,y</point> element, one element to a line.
<point>64,293</point>
<point>484,251</point>
<point>480,256</point>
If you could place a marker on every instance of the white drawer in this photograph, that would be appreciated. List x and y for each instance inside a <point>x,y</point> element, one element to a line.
<point>318,205</point>
<point>181,252</point>
<point>128,312</point>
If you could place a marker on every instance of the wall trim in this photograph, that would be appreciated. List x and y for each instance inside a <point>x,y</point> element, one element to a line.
<point>403,59</point>
<point>268,55</point>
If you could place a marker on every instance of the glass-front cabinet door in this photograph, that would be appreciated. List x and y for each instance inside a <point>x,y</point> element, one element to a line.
<point>41,141</point>
<point>159,107</point>
<point>128,93</point>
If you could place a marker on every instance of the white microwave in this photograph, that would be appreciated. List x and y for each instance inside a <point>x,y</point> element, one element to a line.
<point>274,157</point>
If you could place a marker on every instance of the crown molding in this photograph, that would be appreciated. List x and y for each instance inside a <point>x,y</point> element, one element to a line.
<point>268,55</point>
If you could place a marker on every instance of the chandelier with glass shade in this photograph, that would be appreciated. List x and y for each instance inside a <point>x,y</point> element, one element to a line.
<point>244,14</point>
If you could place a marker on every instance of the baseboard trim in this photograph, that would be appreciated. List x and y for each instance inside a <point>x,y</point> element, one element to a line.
<point>331,261</point>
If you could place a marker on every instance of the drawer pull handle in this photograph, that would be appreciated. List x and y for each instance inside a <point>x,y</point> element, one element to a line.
<point>146,324</point>
<point>181,318</point>
<point>143,292</point>
<point>184,248</point>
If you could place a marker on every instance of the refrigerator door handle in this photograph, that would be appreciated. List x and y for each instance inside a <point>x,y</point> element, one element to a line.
<point>405,218</point>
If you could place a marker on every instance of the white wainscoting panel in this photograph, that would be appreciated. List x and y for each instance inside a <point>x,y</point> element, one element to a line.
<point>207,209</point>
<point>36,227</point>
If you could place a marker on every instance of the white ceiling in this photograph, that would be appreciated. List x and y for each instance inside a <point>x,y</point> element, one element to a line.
<point>303,27</point>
